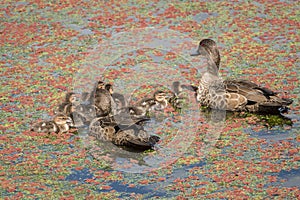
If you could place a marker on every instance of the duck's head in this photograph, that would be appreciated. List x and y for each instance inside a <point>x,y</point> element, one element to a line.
<point>208,47</point>
<point>61,119</point>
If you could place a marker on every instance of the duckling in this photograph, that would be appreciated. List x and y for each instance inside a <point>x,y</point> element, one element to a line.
<point>233,94</point>
<point>86,97</point>
<point>60,124</point>
<point>83,114</point>
<point>179,98</point>
<point>161,100</point>
<point>138,111</point>
<point>158,102</point>
<point>118,100</point>
<point>68,106</point>
<point>101,98</point>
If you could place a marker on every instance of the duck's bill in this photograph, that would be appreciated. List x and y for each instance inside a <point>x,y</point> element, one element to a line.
<point>200,51</point>
<point>195,54</point>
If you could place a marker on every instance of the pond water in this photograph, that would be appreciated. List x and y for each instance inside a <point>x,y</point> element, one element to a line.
<point>48,49</point>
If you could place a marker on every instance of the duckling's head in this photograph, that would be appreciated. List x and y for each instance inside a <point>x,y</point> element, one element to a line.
<point>209,47</point>
<point>100,85</point>
<point>61,119</point>
<point>72,97</point>
<point>160,96</point>
<point>109,88</point>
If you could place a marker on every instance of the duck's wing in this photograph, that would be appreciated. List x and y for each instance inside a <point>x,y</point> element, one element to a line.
<point>276,102</point>
<point>249,84</point>
<point>128,123</point>
<point>259,99</point>
<point>96,126</point>
<point>135,138</point>
<point>251,91</point>
<point>143,139</point>
<point>222,99</point>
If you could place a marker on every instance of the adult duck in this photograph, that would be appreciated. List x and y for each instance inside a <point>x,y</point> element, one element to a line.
<point>129,134</point>
<point>233,94</point>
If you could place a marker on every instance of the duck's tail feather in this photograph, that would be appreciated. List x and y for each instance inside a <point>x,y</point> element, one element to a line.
<point>144,144</point>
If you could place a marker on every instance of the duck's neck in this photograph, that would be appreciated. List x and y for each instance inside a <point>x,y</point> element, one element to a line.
<point>213,67</point>
<point>207,78</point>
